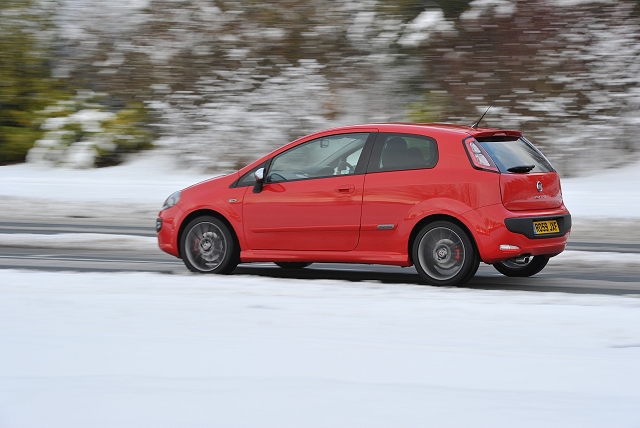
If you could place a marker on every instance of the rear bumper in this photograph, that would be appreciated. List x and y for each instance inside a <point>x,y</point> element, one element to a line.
<point>524,225</point>
<point>501,234</point>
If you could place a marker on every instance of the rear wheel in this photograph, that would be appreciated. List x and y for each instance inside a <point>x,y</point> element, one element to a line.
<point>528,268</point>
<point>293,265</point>
<point>208,246</point>
<point>474,267</point>
<point>444,254</point>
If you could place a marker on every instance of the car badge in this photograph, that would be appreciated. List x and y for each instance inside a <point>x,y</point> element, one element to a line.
<point>539,186</point>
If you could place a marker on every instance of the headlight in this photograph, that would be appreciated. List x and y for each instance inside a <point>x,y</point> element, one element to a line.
<point>171,200</point>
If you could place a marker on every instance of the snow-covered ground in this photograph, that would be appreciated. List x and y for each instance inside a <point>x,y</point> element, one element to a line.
<point>611,193</point>
<point>104,350</point>
<point>131,194</point>
<point>606,204</point>
<point>149,350</point>
<point>149,179</point>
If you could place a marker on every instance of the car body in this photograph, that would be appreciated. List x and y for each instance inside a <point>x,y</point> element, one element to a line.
<point>438,196</point>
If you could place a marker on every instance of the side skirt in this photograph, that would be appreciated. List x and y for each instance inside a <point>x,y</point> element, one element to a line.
<point>365,257</point>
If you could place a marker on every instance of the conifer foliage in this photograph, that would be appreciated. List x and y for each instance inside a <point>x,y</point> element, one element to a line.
<point>26,85</point>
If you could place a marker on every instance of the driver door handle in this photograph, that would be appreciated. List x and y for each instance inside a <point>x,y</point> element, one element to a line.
<point>347,188</point>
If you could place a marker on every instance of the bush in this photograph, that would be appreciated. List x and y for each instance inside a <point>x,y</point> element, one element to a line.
<point>81,133</point>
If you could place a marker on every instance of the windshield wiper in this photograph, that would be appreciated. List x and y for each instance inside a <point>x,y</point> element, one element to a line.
<point>521,168</point>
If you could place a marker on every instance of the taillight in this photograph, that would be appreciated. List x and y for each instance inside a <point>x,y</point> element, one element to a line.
<point>478,156</point>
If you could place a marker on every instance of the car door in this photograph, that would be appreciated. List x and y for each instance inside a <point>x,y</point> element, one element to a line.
<point>312,196</point>
<point>400,175</point>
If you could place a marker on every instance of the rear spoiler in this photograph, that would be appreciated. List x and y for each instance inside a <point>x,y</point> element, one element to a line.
<point>497,133</point>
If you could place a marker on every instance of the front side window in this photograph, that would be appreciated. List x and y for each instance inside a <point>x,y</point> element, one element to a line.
<point>404,151</point>
<point>323,157</point>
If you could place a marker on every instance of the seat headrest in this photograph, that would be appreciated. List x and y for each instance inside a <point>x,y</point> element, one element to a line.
<point>396,143</point>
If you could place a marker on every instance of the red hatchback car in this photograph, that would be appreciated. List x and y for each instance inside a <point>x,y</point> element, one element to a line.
<point>440,197</point>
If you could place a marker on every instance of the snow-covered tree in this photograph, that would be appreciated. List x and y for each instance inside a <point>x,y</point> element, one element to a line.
<point>566,75</point>
<point>233,80</point>
<point>228,80</point>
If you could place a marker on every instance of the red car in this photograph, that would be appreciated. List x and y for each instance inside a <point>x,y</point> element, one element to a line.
<point>440,197</point>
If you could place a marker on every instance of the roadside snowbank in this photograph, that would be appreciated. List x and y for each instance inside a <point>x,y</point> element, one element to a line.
<point>132,350</point>
<point>609,193</point>
<point>80,241</point>
<point>147,180</point>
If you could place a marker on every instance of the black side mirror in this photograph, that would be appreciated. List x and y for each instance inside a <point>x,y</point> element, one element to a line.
<point>259,175</point>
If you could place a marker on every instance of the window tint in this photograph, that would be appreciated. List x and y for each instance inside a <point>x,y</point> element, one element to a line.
<point>323,157</point>
<point>509,154</point>
<point>353,158</point>
<point>249,178</point>
<point>403,151</point>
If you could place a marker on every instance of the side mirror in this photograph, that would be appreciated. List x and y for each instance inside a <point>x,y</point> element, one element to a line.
<point>259,175</point>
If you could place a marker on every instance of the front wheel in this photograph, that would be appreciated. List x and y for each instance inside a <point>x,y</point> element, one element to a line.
<point>443,254</point>
<point>528,268</point>
<point>209,246</point>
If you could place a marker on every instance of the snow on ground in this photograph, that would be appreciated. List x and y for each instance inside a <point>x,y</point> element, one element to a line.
<point>604,205</point>
<point>95,349</point>
<point>148,180</point>
<point>81,241</point>
<point>130,194</point>
<point>152,350</point>
<point>610,193</point>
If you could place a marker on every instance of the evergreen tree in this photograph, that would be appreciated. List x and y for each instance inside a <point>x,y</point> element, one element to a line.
<point>26,86</point>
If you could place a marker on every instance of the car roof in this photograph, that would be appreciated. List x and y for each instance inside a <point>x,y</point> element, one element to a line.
<point>399,127</point>
<point>420,128</point>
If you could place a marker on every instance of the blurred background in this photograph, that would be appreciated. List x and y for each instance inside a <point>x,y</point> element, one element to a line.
<point>217,83</point>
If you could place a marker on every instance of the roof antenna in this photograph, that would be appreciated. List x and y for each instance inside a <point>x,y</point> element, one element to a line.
<point>475,125</point>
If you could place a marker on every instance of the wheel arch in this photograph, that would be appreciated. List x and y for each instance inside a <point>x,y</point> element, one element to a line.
<point>206,212</point>
<point>430,219</point>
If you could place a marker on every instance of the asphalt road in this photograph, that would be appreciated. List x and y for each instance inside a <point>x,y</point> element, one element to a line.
<point>594,279</point>
<point>74,226</point>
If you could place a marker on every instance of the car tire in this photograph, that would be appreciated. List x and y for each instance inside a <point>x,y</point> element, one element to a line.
<point>443,254</point>
<point>293,265</point>
<point>207,245</point>
<point>513,269</point>
<point>474,268</point>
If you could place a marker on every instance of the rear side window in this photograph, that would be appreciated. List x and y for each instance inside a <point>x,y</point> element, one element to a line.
<point>516,153</point>
<point>395,152</point>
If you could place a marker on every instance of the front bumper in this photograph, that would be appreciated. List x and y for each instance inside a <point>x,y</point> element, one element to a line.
<point>166,229</point>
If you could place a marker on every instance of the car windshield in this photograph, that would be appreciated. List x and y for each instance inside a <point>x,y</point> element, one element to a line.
<point>510,154</point>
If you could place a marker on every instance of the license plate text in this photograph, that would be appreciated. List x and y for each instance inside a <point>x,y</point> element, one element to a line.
<point>546,226</point>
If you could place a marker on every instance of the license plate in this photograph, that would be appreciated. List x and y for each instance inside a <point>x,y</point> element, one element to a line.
<point>546,226</point>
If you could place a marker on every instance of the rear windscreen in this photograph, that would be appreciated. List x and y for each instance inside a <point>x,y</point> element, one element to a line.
<point>513,153</point>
